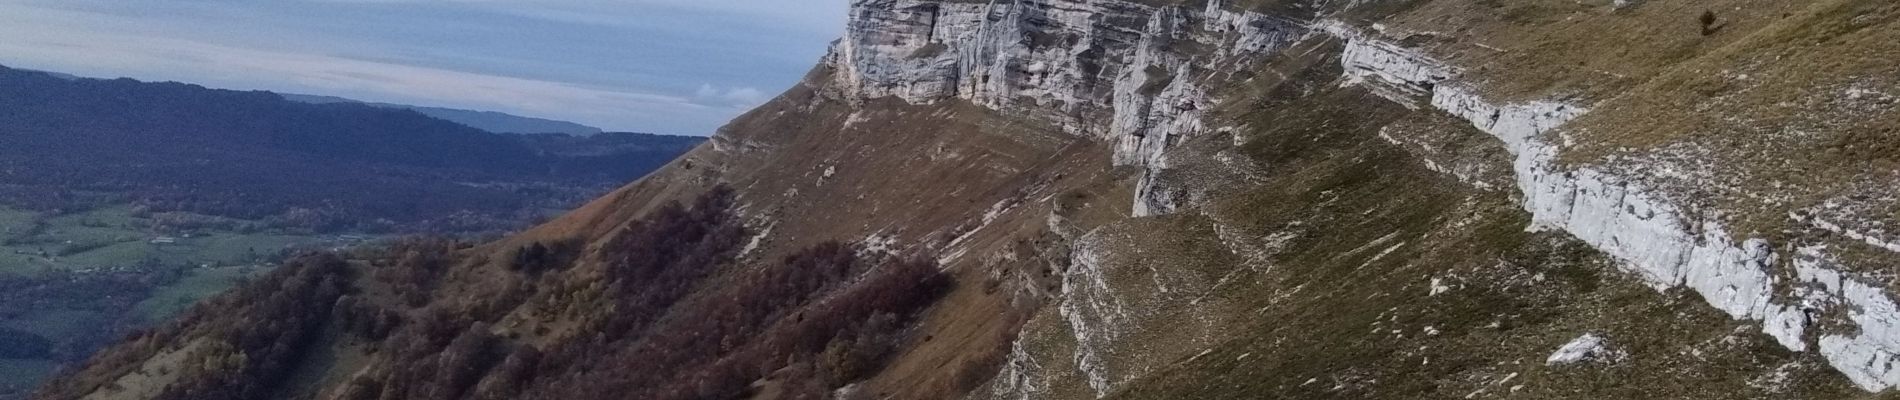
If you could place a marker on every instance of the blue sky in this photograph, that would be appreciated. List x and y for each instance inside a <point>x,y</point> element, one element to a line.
<point>664,66</point>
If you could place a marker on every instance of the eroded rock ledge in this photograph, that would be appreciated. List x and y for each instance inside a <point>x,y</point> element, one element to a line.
<point>1118,70</point>
<point>1655,238</point>
<point>1132,74</point>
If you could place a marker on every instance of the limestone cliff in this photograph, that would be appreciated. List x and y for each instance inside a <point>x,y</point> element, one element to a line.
<point>1121,71</point>
<point>1083,64</point>
<point>1295,199</point>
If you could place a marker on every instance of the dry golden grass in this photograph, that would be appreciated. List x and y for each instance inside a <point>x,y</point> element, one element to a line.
<point>1535,49</point>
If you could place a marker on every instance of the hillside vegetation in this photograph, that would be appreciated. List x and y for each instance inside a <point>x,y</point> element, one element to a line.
<point>70,144</point>
<point>124,202</point>
<point>1162,199</point>
<point>663,310</point>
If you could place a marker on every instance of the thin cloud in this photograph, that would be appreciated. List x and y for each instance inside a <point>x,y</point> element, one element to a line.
<point>741,97</point>
<point>824,16</point>
<point>342,75</point>
<point>584,81</point>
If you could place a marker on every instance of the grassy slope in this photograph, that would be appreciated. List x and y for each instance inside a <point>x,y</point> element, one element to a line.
<point>1346,311</point>
<point>115,237</point>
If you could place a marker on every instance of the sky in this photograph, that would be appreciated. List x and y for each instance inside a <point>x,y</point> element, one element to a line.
<point>660,66</point>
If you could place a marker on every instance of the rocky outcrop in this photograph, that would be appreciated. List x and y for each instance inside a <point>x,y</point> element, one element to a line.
<point>1665,244</point>
<point>1322,211</point>
<point>1133,75</point>
<point>1586,348</point>
<point>1117,70</point>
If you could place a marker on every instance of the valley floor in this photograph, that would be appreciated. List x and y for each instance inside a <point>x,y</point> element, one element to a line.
<point>77,281</point>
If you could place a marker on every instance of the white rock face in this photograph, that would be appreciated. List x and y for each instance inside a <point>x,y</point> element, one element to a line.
<point>1390,70</point>
<point>1118,70</point>
<point>1588,347</point>
<point>1094,313</point>
<point>1654,238</point>
<point>1150,200</point>
<point>1021,377</point>
<point>1871,356</point>
<point>1129,74</point>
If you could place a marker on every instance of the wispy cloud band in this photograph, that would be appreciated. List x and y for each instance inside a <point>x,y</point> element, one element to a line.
<point>622,83</point>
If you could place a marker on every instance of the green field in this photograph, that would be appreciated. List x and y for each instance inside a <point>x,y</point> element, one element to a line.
<point>151,266</point>
<point>117,237</point>
<point>200,284</point>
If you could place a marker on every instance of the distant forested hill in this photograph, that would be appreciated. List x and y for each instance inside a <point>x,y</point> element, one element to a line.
<point>69,144</point>
<point>613,156</point>
<point>485,120</point>
<point>123,202</point>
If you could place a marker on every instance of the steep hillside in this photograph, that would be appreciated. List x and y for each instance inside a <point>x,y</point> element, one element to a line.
<point>1181,199</point>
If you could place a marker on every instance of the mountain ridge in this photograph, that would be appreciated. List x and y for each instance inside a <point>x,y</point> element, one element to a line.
<point>1245,199</point>
<point>142,136</point>
<point>122,202</point>
<point>492,121</point>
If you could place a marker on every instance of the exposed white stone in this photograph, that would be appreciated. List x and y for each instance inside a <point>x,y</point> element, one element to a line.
<point>752,245</point>
<point>1150,200</point>
<point>1391,71</point>
<point>1438,287</point>
<point>1094,313</point>
<point>1654,238</point>
<point>1022,377</point>
<point>1588,347</point>
<point>1094,67</point>
<point>1585,347</point>
<point>846,392</point>
<point>1870,355</point>
<point>1111,69</point>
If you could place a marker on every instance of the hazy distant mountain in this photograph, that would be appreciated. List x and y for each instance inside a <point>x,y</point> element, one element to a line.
<point>123,201</point>
<point>57,74</point>
<point>81,143</point>
<point>491,121</point>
